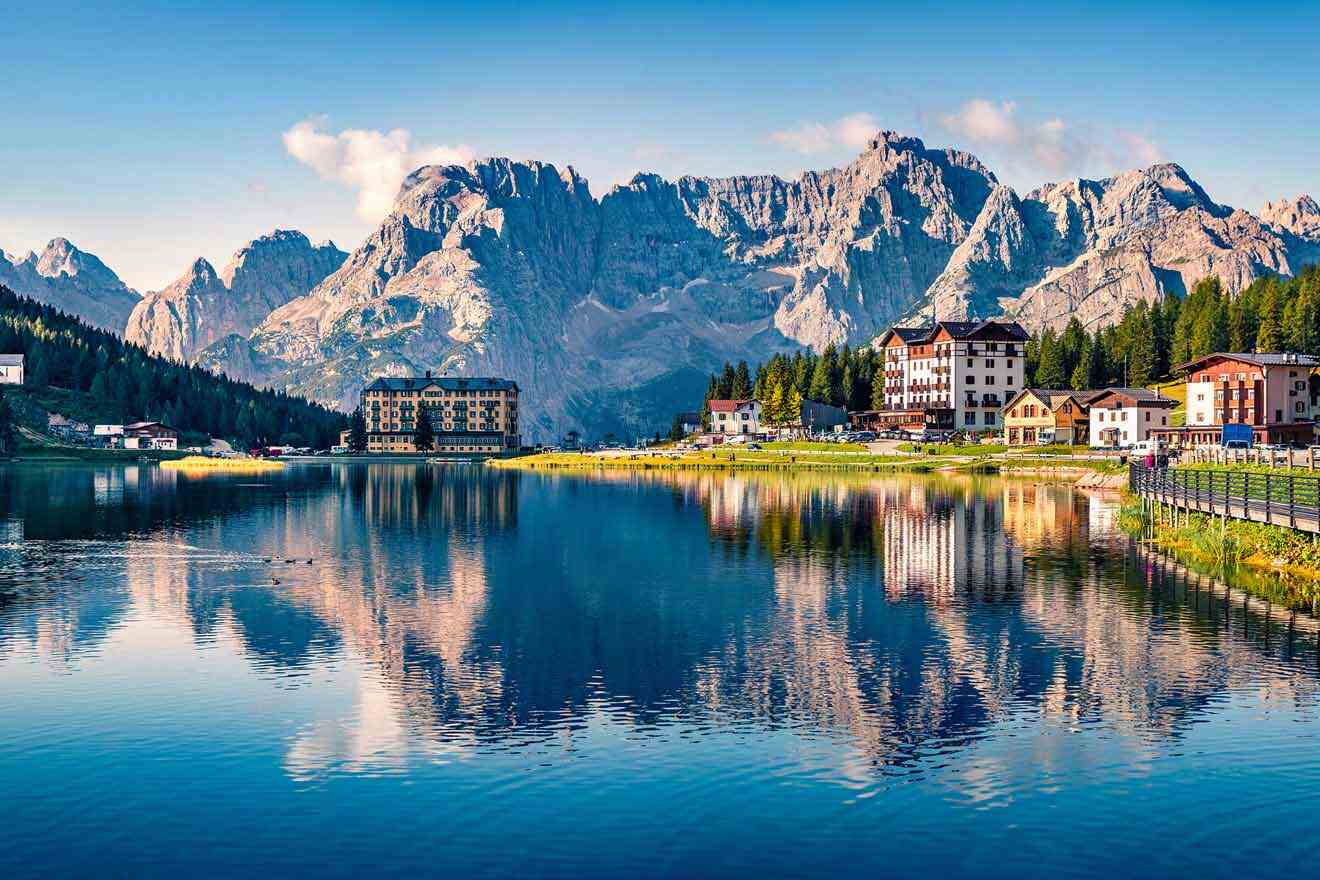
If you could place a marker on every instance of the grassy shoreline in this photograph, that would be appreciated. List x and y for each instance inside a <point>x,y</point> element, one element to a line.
<point>1268,561</point>
<point>806,460</point>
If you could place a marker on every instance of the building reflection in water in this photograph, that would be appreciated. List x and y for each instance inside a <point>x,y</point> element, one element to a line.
<point>903,615</point>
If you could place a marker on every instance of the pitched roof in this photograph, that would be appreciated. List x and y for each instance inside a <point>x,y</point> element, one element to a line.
<point>1052,397</point>
<point>728,405</point>
<point>956,329</point>
<point>1260,359</point>
<point>445,383</point>
<point>1139,396</point>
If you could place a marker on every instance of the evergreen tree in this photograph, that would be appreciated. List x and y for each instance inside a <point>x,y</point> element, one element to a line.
<point>1242,324</point>
<point>849,387</point>
<point>792,405</point>
<point>712,393</point>
<point>424,436</point>
<point>1070,344</point>
<point>1031,361</point>
<point>1050,372</point>
<point>7,433</point>
<point>1270,331</point>
<point>676,429</point>
<point>1211,331</point>
<point>821,388</point>
<point>878,391</point>
<point>726,380</point>
<point>1141,351</point>
<point>1083,373</point>
<point>773,408</point>
<point>357,431</point>
<point>742,383</point>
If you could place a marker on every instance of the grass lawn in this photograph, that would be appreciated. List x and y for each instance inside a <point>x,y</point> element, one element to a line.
<point>728,459</point>
<point>812,446</point>
<point>987,449</point>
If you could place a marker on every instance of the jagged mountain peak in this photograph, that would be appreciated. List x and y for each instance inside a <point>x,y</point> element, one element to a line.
<point>60,256</point>
<point>73,281</point>
<point>202,305</point>
<point>893,140</point>
<point>1300,216</point>
<point>607,311</point>
<point>201,269</point>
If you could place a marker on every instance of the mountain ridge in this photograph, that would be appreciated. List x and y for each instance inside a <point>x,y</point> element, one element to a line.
<point>608,311</point>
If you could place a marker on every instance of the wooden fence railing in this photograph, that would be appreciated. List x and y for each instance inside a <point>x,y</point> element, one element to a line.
<point>1282,498</point>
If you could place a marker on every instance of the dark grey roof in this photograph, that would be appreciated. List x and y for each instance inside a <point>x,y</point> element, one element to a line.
<point>1142,396</point>
<point>1049,394</point>
<point>959,330</point>
<point>913,334</point>
<point>446,383</point>
<point>1263,359</point>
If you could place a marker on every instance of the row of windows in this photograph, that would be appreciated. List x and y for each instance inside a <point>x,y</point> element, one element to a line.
<point>435,394</point>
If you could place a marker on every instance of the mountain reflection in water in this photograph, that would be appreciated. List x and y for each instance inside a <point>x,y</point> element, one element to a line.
<point>443,613</point>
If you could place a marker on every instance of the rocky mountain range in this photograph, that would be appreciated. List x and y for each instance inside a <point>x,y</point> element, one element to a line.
<point>73,281</point>
<point>202,306</point>
<point>609,312</point>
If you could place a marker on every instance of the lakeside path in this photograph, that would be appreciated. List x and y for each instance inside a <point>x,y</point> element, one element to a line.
<point>877,457</point>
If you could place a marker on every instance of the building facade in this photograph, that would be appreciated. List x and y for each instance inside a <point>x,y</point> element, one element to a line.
<point>465,414</point>
<point>1039,416</point>
<point>735,417</point>
<point>1123,417</point>
<point>1270,392</point>
<point>150,435</point>
<point>11,369</point>
<point>950,375</point>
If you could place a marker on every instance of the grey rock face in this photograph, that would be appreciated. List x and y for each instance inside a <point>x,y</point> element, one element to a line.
<point>73,281</point>
<point>512,268</point>
<point>202,306</point>
<point>1090,248</point>
<point>608,312</point>
<point>1300,216</point>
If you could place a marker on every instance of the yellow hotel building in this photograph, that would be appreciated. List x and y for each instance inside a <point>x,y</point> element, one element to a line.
<point>466,414</point>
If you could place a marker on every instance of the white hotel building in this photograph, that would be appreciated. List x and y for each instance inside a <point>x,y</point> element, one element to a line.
<point>951,375</point>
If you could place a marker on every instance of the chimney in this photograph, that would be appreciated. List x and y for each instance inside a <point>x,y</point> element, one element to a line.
<point>428,374</point>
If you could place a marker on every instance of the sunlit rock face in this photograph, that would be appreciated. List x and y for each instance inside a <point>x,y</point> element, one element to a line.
<point>204,306</point>
<point>72,281</point>
<point>608,311</point>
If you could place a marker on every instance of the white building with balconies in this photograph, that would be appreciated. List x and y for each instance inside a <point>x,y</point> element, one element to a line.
<point>951,375</point>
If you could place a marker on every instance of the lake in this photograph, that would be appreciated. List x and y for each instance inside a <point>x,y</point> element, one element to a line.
<point>342,670</point>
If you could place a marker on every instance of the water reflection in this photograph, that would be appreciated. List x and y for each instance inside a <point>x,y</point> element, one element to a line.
<point>904,617</point>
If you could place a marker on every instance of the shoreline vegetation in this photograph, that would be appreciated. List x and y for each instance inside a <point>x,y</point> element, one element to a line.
<point>828,456</point>
<point>1271,562</point>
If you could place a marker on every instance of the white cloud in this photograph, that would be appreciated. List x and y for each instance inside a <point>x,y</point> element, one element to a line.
<point>1052,145</point>
<point>372,162</point>
<point>853,131</point>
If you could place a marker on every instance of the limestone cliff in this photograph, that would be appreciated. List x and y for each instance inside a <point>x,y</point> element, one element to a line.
<point>73,281</point>
<point>202,306</point>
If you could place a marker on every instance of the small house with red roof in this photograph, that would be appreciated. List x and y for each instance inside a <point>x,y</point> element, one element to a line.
<point>735,417</point>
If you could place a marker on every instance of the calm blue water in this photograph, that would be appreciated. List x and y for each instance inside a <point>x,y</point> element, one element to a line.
<point>508,675</point>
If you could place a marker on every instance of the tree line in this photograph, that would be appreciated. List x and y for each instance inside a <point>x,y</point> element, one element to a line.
<point>61,351</point>
<point>1151,341</point>
<point>839,376</point>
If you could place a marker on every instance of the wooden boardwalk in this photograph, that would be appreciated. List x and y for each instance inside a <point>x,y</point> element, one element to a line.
<point>1280,498</point>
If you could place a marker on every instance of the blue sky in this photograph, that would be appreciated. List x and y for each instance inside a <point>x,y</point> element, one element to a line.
<point>151,134</point>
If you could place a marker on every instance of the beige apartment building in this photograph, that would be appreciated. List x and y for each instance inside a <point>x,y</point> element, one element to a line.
<point>466,414</point>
